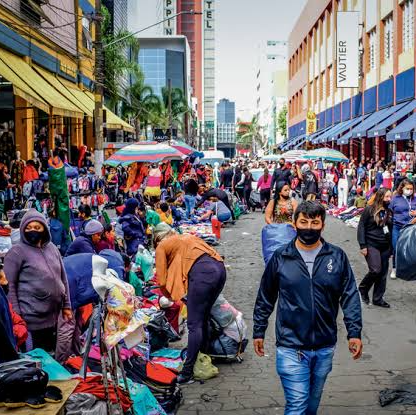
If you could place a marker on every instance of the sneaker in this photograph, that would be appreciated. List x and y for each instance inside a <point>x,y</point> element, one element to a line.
<point>393,274</point>
<point>185,379</point>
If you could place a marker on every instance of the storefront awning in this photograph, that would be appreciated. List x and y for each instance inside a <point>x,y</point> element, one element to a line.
<point>323,138</point>
<point>315,137</point>
<point>114,122</point>
<point>372,120</point>
<point>299,139</point>
<point>70,93</point>
<point>404,130</point>
<point>301,142</point>
<point>381,128</point>
<point>346,127</point>
<point>21,89</point>
<point>58,103</point>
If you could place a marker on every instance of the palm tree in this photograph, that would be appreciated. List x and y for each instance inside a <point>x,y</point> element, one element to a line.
<point>144,106</point>
<point>253,135</point>
<point>180,109</point>
<point>117,64</point>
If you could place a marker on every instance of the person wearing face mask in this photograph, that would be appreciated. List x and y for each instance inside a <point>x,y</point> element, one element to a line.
<point>310,279</point>
<point>38,286</point>
<point>87,242</point>
<point>374,238</point>
<point>403,207</point>
<point>282,207</point>
<point>280,174</point>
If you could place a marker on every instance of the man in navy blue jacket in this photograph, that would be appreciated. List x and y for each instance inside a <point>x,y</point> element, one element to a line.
<point>310,278</point>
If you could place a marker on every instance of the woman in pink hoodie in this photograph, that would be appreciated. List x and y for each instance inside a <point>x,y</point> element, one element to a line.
<point>264,185</point>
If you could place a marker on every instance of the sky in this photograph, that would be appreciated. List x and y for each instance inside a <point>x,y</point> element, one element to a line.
<point>241,26</point>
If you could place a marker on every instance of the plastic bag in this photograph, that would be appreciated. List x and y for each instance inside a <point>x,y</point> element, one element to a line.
<point>204,369</point>
<point>237,330</point>
<point>223,312</point>
<point>275,236</point>
<point>226,347</point>
<point>160,331</point>
<point>144,260</point>
<point>406,254</point>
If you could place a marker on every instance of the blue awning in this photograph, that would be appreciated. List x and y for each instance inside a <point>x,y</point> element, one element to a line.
<point>345,127</point>
<point>345,139</point>
<point>301,142</point>
<point>313,138</point>
<point>297,140</point>
<point>336,130</point>
<point>404,130</point>
<point>376,117</point>
<point>381,129</point>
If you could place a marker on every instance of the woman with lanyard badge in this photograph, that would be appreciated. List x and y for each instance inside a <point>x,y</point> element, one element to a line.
<point>374,237</point>
<point>403,206</point>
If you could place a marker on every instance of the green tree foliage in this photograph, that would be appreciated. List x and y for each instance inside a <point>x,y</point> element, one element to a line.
<point>282,121</point>
<point>252,135</point>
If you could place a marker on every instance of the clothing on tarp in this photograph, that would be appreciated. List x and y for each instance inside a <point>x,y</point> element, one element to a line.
<point>274,237</point>
<point>94,385</point>
<point>54,370</point>
<point>85,404</point>
<point>406,254</point>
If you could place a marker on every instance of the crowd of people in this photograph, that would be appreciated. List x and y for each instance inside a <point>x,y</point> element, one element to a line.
<point>151,230</point>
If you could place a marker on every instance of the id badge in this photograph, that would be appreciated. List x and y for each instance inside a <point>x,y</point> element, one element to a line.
<point>386,229</point>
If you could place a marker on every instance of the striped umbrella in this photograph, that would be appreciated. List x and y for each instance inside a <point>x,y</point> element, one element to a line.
<point>183,147</point>
<point>144,152</point>
<point>327,154</point>
<point>294,155</point>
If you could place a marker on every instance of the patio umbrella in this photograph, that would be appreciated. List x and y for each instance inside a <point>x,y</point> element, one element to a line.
<point>294,155</point>
<point>185,148</point>
<point>272,157</point>
<point>144,152</point>
<point>326,154</point>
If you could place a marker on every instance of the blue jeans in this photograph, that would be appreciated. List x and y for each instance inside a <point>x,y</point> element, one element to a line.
<point>223,217</point>
<point>190,202</point>
<point>303,374</point>
<point>394,238</point>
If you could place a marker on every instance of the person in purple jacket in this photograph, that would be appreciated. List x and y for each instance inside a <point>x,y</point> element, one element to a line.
<point>38,286</point>
<point>403,206</point>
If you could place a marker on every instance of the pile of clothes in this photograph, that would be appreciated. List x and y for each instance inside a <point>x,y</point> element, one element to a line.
<point>203,230</point>
<point>350,216</point>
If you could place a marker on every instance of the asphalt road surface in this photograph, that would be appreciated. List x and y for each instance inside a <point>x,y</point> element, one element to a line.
<point>252,387</point>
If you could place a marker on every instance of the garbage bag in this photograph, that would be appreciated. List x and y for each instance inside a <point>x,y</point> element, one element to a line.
<point>275,236</point>
<point>223,312</point>
<point>406,254</point>
<point>237,330</point>
<point>160,331</point>
<point>226,347</point>
<point>204,369</point>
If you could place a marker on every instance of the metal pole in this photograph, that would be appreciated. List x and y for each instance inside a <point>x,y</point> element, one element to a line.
<point>170,108</point>
<point>99,91</point>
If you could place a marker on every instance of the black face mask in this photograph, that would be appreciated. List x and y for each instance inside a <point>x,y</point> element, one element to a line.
<point>281,164</point>
<point>5,288</point>
<point>309,236</point>
<point>386,205</point>
<point>33,237</point>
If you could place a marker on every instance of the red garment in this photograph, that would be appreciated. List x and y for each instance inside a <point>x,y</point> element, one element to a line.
<point>94,385</point>
<point>82,152</point>
<point>29,174</point>
<point>76,363</point>
<point>19,327</point>
<point>104,244</point>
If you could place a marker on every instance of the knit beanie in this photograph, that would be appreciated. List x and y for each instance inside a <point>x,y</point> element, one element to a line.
<point>93,227</point>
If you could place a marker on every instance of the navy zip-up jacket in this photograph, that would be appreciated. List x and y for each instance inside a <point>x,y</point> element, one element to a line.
<point>308,306</point>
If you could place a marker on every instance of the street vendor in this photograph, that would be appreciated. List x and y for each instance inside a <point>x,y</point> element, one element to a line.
<point>187,266</point>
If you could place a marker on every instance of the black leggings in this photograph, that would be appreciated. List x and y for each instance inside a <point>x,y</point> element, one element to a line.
<point>206,280</point>
<point>44,339</point>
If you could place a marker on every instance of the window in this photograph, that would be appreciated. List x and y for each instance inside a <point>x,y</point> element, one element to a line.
<point>31,10</point>
<point>372,49</point>
<point>388,38</point>
<point>408,25</point>
<point>86,33</point>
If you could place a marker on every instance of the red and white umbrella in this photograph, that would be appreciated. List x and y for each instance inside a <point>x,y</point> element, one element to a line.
<point>293,156</point>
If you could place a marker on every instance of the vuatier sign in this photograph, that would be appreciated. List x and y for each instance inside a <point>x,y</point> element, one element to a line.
<point>347,50</point>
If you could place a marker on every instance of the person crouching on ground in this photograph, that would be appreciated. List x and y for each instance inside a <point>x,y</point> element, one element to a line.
<point>86,243</point>
<point>217,208</point>
<point>310,279</point>
<point>187,266</point>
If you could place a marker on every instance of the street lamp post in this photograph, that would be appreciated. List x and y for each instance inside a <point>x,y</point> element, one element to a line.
<point>99,78</point>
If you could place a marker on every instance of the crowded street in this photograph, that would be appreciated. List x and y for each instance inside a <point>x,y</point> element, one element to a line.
<point>207,207</point>
<point>353,387</point>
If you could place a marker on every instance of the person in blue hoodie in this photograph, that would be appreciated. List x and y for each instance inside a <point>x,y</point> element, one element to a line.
<point>86,242</point>
<point>133,229</point>
<point>403,206</point>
